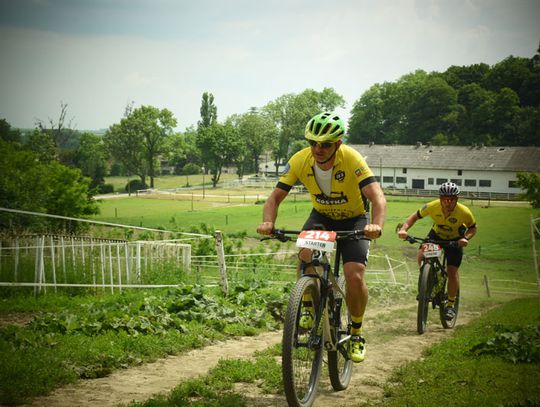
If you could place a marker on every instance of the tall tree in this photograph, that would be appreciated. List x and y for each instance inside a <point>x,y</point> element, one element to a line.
<point>258,132</point>
<point>506,109</point>
<point>219,145</point>
<point>182,150</point>
<point>30,184</point>
<point>208,111</point>
<point>9,134</point>
<point>42,145</point>
<point>60,130</point>
<point>530,182</point>
<point>433,110</point>
<point>91,158</point>
<point>509,73</point>
<point>291,112</point>
<point>139,139</point>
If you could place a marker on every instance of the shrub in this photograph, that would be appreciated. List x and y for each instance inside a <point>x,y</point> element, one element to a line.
<point>134,185</point>
<point>191,169</point>
<point>105,188</point>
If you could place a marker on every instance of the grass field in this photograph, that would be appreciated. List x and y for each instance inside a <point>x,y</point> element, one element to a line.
<point>169,181</point>
<point>501,251</point>
<point>72,340</point>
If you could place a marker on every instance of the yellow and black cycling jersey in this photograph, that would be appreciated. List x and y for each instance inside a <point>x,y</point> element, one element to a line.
<point>349,174</point>
<point>451,227</point>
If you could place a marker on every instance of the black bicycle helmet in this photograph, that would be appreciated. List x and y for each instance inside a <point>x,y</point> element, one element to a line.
<point>448,189</point>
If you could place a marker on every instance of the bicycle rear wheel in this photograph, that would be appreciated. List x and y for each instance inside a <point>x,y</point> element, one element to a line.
<point>424,296</point>
<point>339,365</point>
<point>301,357</point>
<point>448,324</point>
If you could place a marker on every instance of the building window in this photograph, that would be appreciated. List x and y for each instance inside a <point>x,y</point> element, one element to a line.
<point>513,184</point>
<point>456,181</point>
<point>470,182</point>
<point>401,180</point>
<point>484,183</point>
<point>459,172</point>
<point>404,170</point>
<point>430,181</point>
<point>441,181</point>
<point>388,180</point>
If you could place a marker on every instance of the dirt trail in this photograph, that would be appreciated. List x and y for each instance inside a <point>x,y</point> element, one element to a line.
<point>141,383</point>
<point>381,359</point>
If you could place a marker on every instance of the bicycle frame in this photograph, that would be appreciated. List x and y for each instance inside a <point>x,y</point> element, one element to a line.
<point>432,287</point>
<point>302,348</point>
<point>438,267</point>
<point>328,284</point>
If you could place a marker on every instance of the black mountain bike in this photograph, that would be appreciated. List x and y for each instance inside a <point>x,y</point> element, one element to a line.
<point>302,349</point>
<point>432,282</point>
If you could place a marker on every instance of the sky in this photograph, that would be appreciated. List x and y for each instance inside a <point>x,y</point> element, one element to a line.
<point>98,56</point>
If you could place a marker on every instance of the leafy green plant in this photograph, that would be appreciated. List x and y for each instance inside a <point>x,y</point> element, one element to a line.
<point>518,345</point>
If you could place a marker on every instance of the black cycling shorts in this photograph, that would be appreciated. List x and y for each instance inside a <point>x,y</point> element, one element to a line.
<point>454,255</point>
<point>351,250</point>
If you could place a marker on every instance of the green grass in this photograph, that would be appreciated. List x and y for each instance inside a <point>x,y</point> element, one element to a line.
<point>217,387</point>
<point>501,250</point>
<point>452,373</point>
<point>492,221</point>
<point>169,181</point>
<point>92,336</point>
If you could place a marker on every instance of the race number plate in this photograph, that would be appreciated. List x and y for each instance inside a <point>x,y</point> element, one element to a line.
<point>322,240</point>
<point>431,250</point>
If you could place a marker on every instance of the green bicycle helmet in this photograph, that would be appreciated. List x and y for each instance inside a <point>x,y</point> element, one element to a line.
<point>325,127</point>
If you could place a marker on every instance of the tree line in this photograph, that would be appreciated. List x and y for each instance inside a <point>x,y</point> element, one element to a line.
<point>476,104</point>
<point>56,169</point>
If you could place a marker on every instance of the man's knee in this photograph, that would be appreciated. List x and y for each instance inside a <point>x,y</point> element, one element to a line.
<point>354,273</point>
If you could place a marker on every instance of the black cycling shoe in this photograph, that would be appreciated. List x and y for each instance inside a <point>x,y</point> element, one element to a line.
<point>450,313</point>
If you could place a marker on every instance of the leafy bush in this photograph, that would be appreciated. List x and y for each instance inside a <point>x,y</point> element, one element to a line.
<point>191,169</point>
<point>134,185</point>
<point>516,345</point>
<point>105,188</point>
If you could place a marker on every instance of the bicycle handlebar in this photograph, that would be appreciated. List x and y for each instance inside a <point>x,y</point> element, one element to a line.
<point>443,243</point>
<point>282,235</point>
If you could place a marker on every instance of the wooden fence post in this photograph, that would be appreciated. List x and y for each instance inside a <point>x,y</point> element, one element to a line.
<point>390,269</point>
<point>534,230</point>
<point>221,262</point>
<point>486,283</point>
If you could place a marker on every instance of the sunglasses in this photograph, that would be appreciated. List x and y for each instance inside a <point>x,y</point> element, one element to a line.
<point>325,144</point>
<point>449,198</point>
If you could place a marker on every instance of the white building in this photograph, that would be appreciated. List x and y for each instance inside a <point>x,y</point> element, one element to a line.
<point>483,172</point>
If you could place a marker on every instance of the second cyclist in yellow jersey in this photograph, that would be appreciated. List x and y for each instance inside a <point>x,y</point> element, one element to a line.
<point>451,226</point>
<point>451,221</point>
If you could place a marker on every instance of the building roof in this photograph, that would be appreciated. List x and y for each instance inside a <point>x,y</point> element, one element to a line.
<point>480,158</point>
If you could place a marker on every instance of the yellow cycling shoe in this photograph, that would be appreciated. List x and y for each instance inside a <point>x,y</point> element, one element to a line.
<point>306,320</point>
<point>358,348</point>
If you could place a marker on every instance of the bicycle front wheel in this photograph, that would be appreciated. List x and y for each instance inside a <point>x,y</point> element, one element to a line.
<point>424,294</point>
<point>302,351</point>
<point>339,365</point>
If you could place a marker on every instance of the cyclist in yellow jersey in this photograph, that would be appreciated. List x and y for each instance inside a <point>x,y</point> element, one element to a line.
<point>452,221</point>
<point>341,186</point>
